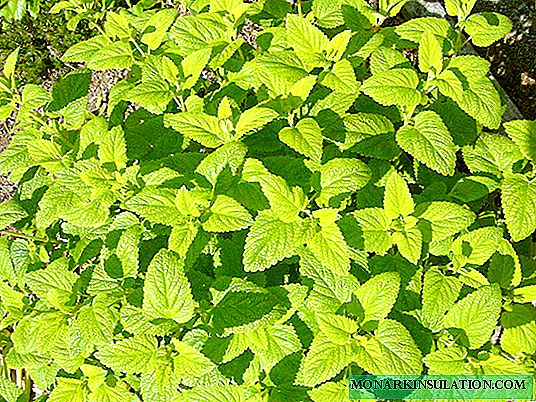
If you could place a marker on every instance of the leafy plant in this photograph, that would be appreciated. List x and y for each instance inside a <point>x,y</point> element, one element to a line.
<point>276,215</point>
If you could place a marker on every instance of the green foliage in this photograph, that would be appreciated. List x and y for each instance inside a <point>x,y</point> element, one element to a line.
<point>274,216</point>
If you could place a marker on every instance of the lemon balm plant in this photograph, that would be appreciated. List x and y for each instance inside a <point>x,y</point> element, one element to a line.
<point>276,213</point>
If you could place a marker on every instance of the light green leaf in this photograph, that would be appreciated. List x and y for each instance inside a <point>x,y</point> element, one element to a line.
<point>330,392</point>
<point>127,250</point>
<point>391,7</point>
<point>279,71</point>
<point>341,177</point>
<point>448,360</point>
<point>286,203</point>
<point>430,142</point>
<point>132,356</point>
<point>69,390</point>
<point>439,294</point>
<point>305,138</point>
<point>199,127</point>
<point>82,52</point>
<point>227,215</point>
<point>117,25</point>
<point>10,63</point>
<point>525,294</point>
<point>409,243</point>
<point>459,8</point>
<point>253,119</point>
<point>523,133</point>
<point>328,244</point>
<point>190,363</point>
<point>117,55</point>
<point>394,87</point>
<point>231,154</point>
<point>341,77</point>
<point>182,237</point>
<point>378,295</point>
<point>166,290</point>
<point>519,205</point>
<point>447,218</point>
<point>397,200</point>
<point>430,54</point>
<point>337,328</point>
<point>270,240</point>
<point>155,29</point>
<point>308,41</point>
<point>323,361</point>
<point>375,226</point>
<point>493,153</point>
<point>152,95</point>
<point>112,148</point>
<point>10,212</point>
<point>414,28</point>
<point>97,321</point>
<point>53,284</point>
<point>476,314</point>
<point>519,329</point>
<point>487,28</point>
<point>391,350</point>
<point>157,205</point>
<point>477,246</point>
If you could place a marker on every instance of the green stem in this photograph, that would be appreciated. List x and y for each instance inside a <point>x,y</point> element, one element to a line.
<point>24,236</point>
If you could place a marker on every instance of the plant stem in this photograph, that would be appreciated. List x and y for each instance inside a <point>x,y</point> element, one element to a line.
<point>23,236</point>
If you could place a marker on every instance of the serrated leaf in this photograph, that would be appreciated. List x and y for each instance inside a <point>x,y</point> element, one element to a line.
<point>519,329</point>
<point>378,295</point>
<point>337,328</point>
<point>133,355</point>
<point>391,350</point>
<point>328,244</point>
<point>447,219</point>
<point>523,133</point>
<point>409,244</point>
<point>254,119</point>
<point>459,8</point>
<point>227,215</point>
<point>397,200</point>
<point>430,54</point>
<point>200,127</point>
<point>487,28</point>
<point>182,237</point>
<point>430,142</point>
<point>394,87</point>
<point>449,360</point>
<point>341,176</point>
<point>305,138</point>
<point>323,361</point>
<point>375,226</point>
<point>157,205</point>
<point>117,55</point>
<point>231,154</point>
<point>308,41</point>
<point>477,246</point>
<point>83,51</point>
<point>519,205</point>
<point>190,363</point>
<point>476,314</point>
<point>96,322</point>
<point>286,202</point>
<point>11,212</point>
<point>493,153</point>
<point>152,95</point>
<point>53,284</point>
<point>166,290</point>
<point>439,294</point>
<point>270,240</point>
<point>69,390</point>
<point>155,29</point>
<point>112,148</point>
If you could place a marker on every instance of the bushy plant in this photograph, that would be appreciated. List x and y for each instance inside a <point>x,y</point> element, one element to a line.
<point>276,215</point>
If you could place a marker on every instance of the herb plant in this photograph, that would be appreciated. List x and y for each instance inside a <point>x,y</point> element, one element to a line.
<point>276,213</point>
